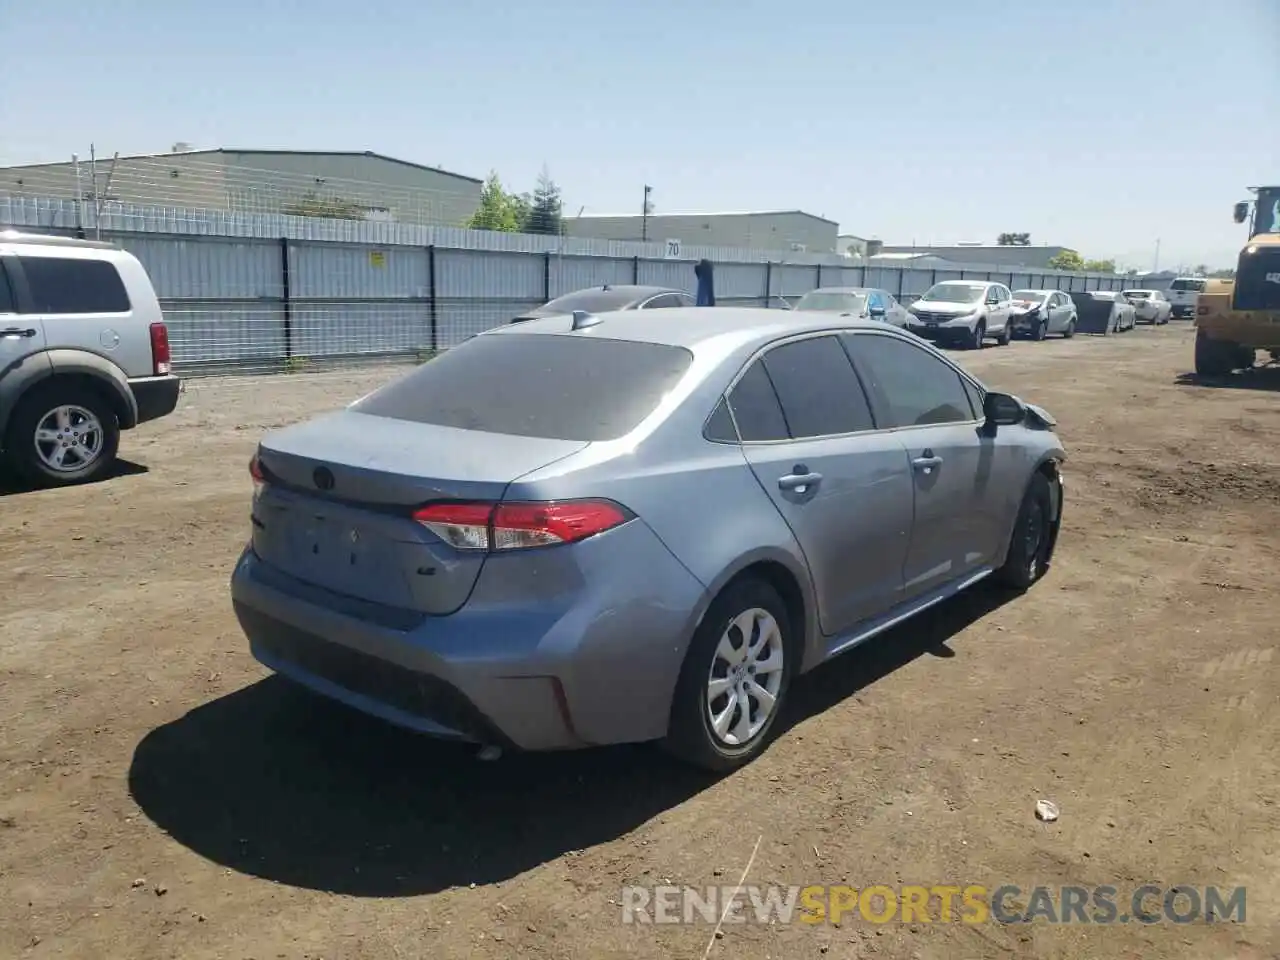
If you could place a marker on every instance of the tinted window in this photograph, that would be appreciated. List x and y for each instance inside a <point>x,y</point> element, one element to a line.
<point>818,389</point>
<point>911,387</point>
<point>556,386</point>
<point>666,300</point>
<point>755,406</point>
<point>593,300</point>
<point>6,292</point>
<point>1196,285</point>
<point>720,425</point>
<point>74,286</point>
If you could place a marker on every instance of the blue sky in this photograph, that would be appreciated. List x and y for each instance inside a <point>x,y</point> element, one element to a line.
<point>1099,125</point>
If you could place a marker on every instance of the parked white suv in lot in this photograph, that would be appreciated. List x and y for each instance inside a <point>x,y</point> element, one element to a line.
<point>963,311</point>
<point>84,354</point>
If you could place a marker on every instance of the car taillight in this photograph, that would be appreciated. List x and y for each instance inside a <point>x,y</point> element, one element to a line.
<point>517,526</point>
<point>255,471</point>
<point>161,361</point>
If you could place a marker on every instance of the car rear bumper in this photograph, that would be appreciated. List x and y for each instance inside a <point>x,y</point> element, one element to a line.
<point>155,396</point>
<point>576,662</point>
<point>1183,310</point>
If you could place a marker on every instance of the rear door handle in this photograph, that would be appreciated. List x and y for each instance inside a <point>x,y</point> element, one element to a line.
<point>799,480</point>
<point>17,332</point>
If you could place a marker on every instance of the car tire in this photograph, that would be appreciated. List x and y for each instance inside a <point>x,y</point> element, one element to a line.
<point>1003,339</point>
<point>1042,330</point>
<point>1070,332</point>
<point>691,734</point>
<point>90,426</point>
<point>974,340</point>
<point>1027,558</point>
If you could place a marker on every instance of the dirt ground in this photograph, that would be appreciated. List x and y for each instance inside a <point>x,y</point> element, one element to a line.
<point>162,796</point>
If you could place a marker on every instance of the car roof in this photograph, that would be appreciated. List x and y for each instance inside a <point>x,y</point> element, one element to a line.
<point>18,238</point>
<point>690,327</point>
<point>843,289</point>
<point>967,283</point>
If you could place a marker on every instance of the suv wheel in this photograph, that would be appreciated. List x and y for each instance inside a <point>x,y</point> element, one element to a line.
<point>62,434</point>
<point>977,336</point>
<point>734,679</point>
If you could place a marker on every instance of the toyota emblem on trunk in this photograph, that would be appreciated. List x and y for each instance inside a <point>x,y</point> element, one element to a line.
<point>323,478</point>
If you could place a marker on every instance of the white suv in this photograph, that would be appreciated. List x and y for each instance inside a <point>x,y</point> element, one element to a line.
<point>963,311</point>
<point>84,354</point>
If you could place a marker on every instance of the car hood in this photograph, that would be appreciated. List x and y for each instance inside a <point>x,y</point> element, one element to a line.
<point>952,309</point>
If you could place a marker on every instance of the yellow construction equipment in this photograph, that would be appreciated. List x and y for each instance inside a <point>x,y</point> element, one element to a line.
<point>1236,318</point>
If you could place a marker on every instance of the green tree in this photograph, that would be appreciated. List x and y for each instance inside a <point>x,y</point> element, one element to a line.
<point>1200,270</point>
<point>1100,266</point>
<point>545,213</point>
<point>498,210</point>
<point>1014,240</point>
<point>1067,260</point>
<point>311,204</point>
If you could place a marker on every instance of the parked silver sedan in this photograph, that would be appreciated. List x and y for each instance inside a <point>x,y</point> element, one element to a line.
<point>600,529</point>
<point>1149,306</point>
<point>870,303</point>
<point>1038,313</point>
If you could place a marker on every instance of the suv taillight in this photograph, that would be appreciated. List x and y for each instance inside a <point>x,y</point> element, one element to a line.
<point>160,357</point>
<point>517,526</point>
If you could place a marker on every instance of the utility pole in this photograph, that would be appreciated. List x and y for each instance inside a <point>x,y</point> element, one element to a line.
<point>644,215</point>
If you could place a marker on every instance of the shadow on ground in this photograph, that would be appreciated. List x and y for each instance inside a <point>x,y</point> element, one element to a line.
<point>11,485</point>
<point>1265,378</point>
<point>277,783</point>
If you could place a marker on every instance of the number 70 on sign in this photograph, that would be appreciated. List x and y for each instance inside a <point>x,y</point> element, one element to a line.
<point>673,250</point>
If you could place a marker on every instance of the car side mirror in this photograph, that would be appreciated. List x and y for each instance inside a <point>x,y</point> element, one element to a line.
<point>992,301</point>
<point>876,312</point>
<point>1003,410</point>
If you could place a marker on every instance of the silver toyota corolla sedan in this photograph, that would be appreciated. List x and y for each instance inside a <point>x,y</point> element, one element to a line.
<point>601,529</point>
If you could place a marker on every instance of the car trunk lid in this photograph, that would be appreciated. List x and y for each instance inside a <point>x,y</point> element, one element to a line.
<point>336,508</point>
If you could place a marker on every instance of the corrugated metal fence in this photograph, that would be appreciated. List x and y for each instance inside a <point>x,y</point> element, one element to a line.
<point>248,293</point>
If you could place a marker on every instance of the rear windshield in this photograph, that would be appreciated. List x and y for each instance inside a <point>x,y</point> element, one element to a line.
<point>536,385</point>
<point>1137,294</point>
<point>594,300</point>
<point>832,300</point>
<point>1033,296</point>
<point>1196,285</point>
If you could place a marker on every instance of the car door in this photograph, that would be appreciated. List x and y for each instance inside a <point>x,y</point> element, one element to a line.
<point>1005,303</point>
<point>1057,313</point>
<point>843,487</point>
<point>22,337</point>
<point>897,313</point>
<point>933,410</point>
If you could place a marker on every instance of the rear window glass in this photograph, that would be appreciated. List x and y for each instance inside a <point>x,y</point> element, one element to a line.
<point>1196,285</point>
<point>1030,295</point>
<point>527,385</point>
<point>595,300</point>
<point>65,285</point>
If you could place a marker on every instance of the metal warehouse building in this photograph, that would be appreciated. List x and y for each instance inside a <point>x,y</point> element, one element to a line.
<point>351,185</point>
<point>776,230</point>
<point>1010,255</point>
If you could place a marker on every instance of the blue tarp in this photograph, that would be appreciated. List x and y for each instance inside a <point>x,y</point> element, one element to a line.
<point>706,284</point>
